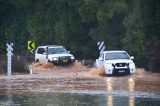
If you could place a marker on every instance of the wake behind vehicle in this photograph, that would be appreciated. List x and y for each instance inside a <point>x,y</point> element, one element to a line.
<point>116,62</point>
<point>53,54</point>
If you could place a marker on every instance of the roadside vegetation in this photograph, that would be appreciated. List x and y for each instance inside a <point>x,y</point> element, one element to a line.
<point>19,65</point>
<point>131,25</point>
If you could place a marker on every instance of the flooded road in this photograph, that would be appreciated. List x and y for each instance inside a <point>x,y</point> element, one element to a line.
<point>74,99</point>
<point>77,85</point>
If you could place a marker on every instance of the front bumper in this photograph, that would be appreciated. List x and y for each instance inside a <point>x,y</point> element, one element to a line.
<point>113,70</point>
<point>63,60</point>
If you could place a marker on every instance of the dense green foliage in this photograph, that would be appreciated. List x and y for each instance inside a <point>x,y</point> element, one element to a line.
<point>131,25</point>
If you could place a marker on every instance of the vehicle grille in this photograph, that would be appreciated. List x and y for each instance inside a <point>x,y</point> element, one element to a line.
<point>121,64</point>
<point>64,58</point>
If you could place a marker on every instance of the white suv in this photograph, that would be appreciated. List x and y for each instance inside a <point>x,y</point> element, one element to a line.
<point>116,62</point>
<point>54,54</point>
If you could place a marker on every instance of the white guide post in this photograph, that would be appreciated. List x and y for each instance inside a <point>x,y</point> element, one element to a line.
<point>9,58</point>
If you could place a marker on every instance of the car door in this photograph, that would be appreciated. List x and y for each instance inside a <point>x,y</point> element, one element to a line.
<point>41,55</point>
<point>100,60</point>
<point>44,56</point>
<point>38,55</point>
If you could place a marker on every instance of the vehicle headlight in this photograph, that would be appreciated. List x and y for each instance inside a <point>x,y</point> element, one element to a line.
<point>108,65</point>
<point>55,58</point>
<point>72,57</point>
<point>132,65</point>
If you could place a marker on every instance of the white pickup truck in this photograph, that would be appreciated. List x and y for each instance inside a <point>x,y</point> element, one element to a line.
<point>116,62</point>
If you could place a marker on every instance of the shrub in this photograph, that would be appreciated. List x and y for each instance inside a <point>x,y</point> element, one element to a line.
<point>19,64</point>
<point>3,63</point>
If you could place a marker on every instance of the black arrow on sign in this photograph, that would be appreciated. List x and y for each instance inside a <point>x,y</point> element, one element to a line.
<point>30,45</point>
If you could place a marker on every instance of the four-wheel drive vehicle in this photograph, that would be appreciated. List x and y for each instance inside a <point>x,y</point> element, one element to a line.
<point>54,54</point>
<point>116,62</point>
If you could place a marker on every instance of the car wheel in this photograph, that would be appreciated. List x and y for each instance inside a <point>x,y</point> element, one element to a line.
<point>128,72</point>
<point>49,61</point>
<point>37,61</point>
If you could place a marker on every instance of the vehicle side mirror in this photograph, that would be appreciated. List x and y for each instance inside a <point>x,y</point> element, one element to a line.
<point>100,58</point>
<point>132,57</point>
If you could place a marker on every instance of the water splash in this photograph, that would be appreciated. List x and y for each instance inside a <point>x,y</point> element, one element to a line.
<point>140,71</point>
<point>47,66</point>
<point>97,72</point>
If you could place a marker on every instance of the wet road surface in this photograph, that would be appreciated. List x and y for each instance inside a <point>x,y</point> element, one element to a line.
<point>78,81</point>
<point>74,99</point>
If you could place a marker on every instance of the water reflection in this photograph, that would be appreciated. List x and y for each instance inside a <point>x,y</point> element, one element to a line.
<point>75,99</point>
<point>131,84</point>
<point>109,84</point>
<point>109,87</point>
<point>110,101</point>
<point>8,92</point>
<point>131,101</point>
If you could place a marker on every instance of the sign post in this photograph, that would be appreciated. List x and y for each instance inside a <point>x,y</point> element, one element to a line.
<point>9,58</point>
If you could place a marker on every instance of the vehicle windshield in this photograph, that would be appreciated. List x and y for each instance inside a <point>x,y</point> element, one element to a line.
<point>116,55</point>
<point>56,50</point>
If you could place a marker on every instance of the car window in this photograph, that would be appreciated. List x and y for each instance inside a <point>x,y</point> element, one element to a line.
<point>116,55</point>
<point>41,50</point>
<point>56,50</point>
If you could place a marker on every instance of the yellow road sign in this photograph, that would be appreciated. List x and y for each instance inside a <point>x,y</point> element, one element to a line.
<point>31,45</point>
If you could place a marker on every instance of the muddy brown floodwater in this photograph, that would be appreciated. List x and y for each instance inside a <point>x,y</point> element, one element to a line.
<point>76,78</point>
